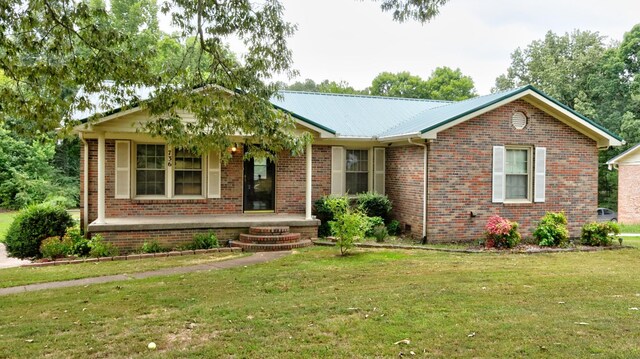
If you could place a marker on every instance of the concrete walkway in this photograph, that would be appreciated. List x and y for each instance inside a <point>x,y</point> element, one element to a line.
<point>7,262</point>
<point>629,234</point>
<point>231,263</point>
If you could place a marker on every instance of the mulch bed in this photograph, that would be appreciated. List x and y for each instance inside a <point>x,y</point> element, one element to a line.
<point>523,248</point>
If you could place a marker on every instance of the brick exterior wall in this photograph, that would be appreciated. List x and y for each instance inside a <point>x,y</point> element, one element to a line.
<point>130,241</point>
<point>321,172</point>
<point>460,180</point>
<point>404,186</point>
<point>629,193</point>
<point>460,174</point>
<point>290,187</point>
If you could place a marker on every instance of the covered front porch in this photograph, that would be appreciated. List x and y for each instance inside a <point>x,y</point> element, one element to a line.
<point>129,233</point>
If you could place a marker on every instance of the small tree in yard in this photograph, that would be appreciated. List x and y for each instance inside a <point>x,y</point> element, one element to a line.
<point>348,225</point>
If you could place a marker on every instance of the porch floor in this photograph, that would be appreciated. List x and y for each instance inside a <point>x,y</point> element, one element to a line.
<point>142,223</point>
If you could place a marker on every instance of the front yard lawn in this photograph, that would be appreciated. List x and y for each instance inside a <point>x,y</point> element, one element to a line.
<point>629,228</point>
<point>12,277</point>
<point>5,221</point>
<point>315,304</point>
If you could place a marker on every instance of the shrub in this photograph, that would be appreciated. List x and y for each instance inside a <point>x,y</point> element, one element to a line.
<point>374,205</point>
<point>55,247</point>
<point>599,234</point>
<point>204,241</point>
<point>153,247</point>
<point>34,224</point>
<point>79,244</point>
<point>348,228</point>
<point>373,223</point>
<point>326,209</point>
<point>501,233</point>
<point>552,230</point>
<point>380,233</point>
<point>393,227</point>
<point>61,201</point>
<point>100,248</point>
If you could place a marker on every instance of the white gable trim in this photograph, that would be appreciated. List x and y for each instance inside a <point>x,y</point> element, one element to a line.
<point>602,138</point>
<point>633,151</point>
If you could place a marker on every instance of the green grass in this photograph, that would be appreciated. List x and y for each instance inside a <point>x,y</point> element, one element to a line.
<point>316,304</point>
<point>5,220</point>
<point>631,241</point>
<point>12,277</point>
<point>629,228</point>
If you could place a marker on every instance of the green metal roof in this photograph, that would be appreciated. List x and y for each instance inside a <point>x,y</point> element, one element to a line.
<point>351,115</point>
<point>379,117</point>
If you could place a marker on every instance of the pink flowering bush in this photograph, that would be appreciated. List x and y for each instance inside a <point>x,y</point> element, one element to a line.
<point>501,233</point>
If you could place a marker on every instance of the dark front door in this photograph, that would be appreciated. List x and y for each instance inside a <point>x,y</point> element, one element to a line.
<point>259,185</point>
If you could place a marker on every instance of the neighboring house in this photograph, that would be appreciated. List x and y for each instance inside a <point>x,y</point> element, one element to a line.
<point>628,165</point>
<point>447,167</point>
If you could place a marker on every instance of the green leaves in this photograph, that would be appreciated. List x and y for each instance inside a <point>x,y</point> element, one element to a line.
<point>404,10</point>
<point>443,84</point>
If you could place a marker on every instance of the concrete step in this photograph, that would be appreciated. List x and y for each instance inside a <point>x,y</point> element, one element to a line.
<point>269,239</point>
<point>268,247</point>
<point>268,230</point>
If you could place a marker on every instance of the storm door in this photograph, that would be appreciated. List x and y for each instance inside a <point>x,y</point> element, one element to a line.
<point>259,185</point>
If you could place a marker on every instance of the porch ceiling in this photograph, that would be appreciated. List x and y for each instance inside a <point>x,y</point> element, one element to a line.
<point>146,223</point>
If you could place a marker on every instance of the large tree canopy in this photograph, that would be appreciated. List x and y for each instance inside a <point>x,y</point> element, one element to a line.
<point>443,84</point>
<point>597,79</point>
<point>49,49</point>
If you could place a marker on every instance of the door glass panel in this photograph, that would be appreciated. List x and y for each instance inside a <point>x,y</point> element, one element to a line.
<point>259,185</point>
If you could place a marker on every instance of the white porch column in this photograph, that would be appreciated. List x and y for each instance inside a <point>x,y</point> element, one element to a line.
<point>101,178</point>
<point>308,190</point>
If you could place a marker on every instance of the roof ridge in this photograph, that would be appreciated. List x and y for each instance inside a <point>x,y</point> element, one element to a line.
<point>366,96</point>
<point>449,104</point>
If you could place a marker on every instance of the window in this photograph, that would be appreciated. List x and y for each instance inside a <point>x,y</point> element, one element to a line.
<point>517,173</point>
<point>187,174</point>
<point>357,171</point>
<point>150,170</point>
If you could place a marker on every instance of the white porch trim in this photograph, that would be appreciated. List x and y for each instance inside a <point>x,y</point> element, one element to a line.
<point>309,166</point>
<point>101,179</point>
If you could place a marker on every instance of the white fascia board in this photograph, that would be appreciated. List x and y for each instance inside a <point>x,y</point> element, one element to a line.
<point>87,126</point>
<point>604,139</point>
<point>400,137</point>
<point>624,154</point>
<point>323,133</point>
<point>611,141</point>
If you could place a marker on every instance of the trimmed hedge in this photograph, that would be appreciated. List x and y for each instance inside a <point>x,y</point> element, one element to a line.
<point>32,225</point>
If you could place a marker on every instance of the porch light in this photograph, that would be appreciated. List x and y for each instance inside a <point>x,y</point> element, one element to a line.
<point>234,148</point>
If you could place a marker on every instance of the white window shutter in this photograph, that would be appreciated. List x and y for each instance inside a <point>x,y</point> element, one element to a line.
<point>378,169</point>
<point>123,169</point>
<point>337,170</point>
<point>498,174</point>
<point>540,174</point>
<point>213,178</point>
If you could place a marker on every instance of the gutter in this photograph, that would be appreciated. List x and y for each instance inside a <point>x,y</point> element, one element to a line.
<point>425,215</point>
<point>85,180</point>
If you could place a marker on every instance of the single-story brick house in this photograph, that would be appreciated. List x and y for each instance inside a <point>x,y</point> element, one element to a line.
<point>628,166</point>
<point>447,167</point>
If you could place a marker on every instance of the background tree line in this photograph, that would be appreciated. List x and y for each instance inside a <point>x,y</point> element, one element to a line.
<point>599,79</point>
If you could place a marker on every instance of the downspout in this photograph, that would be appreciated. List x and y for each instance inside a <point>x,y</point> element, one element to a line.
<point>425,215</point>
<point>85,180</point>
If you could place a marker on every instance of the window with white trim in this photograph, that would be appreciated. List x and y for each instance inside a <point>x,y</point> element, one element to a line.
<point>150,170</point>
<point>513,174</point>
<point>187,174</point>
<point>517,173</point>
<point>357,171</point>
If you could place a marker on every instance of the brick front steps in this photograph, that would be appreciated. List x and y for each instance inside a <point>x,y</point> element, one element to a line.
<point>264,239</point>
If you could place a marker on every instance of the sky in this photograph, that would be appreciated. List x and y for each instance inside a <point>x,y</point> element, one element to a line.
<point>353,41</point>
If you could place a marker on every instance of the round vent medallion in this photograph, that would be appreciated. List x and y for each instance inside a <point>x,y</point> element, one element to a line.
<point>519,120</point>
